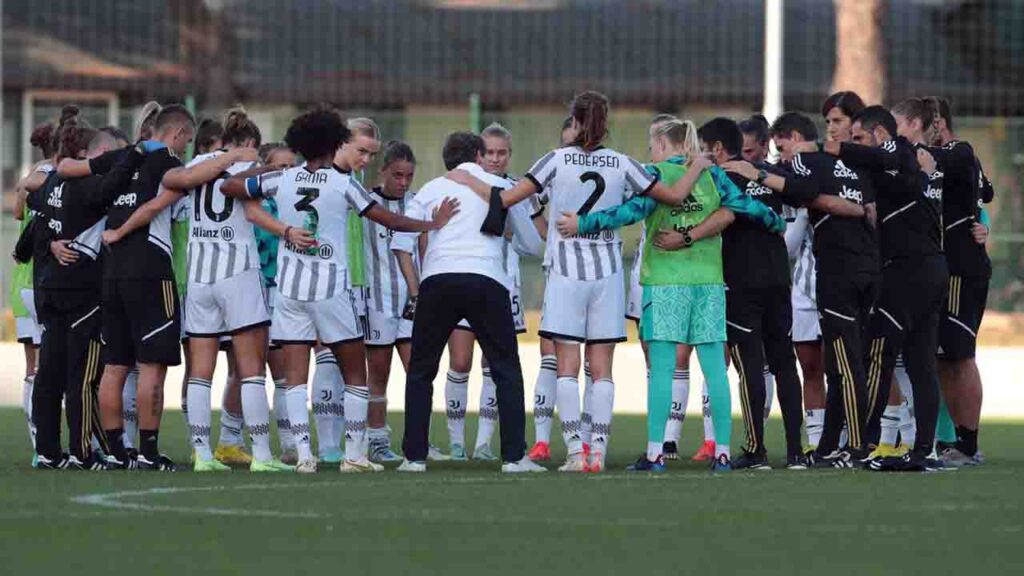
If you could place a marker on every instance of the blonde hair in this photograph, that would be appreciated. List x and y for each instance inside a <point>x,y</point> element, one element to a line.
<point>364,127</point>
<point>681,134</point>
<point>147,119</point>
<point>495,129</point>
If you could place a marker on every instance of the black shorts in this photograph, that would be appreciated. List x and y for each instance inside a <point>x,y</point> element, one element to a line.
<point>961,319</point>
<point>141,322</point>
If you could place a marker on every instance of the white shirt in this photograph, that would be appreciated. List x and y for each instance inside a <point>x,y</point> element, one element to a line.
<point>317,201</point>
<point>585,182</point>
<point>221,242</point>
<point>459,247</point>
<point>386,288</point>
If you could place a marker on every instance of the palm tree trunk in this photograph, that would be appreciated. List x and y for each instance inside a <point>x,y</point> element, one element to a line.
<point>860,58</point>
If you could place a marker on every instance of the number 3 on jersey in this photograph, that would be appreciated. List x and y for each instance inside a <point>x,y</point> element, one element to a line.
<point>598,181</point>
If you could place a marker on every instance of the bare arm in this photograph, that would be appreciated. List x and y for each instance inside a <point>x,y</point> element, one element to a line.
<point>679,191</point>
<point>185,178</point>
<point>143,215</point>
<point>400,223</point>
<point>71,168</point>
<point>412,279</point>
<point>256,215</point>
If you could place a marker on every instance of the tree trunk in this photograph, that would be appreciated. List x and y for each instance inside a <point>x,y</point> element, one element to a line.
<point>860,58</point>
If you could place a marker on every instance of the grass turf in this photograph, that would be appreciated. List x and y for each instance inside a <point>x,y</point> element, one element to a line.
<point>466,518</point>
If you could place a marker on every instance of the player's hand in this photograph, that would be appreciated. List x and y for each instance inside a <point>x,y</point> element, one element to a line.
<point>299,237</point>
<point>669,240</point>
<point>701,162</point>
<point>741,167</point>
<point>409,312</point>
<point>66,256</point>
<point>243,154</point>
<point>112,236</point>
<point>927,161</point>
<point>568,224</point>
<point>980,232</point>
<point>442,214</point>
<point>805,147</point>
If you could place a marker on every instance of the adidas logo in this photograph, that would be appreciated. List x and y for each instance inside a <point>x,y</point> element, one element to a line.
<point>841,171</point>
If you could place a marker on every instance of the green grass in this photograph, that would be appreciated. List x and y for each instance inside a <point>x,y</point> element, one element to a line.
<point>468,519</point>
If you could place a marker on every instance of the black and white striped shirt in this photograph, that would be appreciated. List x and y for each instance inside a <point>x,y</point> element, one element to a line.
<point>387,291</point>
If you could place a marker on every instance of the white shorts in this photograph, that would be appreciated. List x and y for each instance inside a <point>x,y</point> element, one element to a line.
<point>331,321</point>
<point>27,327</point>
<point>271,294</point>
<point>359,298</point>
<point>806,326</point>
<point>383,329</point>
<point>584,311</point>
<point>518,314</point>
<point>636,293</point>
<point>227,306</point>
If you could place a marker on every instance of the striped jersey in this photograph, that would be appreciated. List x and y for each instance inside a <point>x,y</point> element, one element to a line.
<point>799,243</point>
<point>387,291</point>
<point>585,182</point>
<point>221,243</point>
<point>317,200</point>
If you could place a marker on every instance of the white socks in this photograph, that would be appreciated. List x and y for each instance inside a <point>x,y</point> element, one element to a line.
<point>130,408</point>
<point>356,402</point>
<point>199,417</point>
<point>769,391</point>
<point>284,426</point>
<point>26,405</point>
<point>456,396</point>
<point>908,425</point>
<point>587,414</point>
<point>680,398</point>
<point>488,410</point>
<point>815,422</point>
<point>567,392</point>
<point>328,403</point>
<point>256,412</point>
<point>890,424</point>
<point>230,424</point>
<point>298,414</point>
<point>544,398</point>
<point>602,404</point>
<point>709,427</point>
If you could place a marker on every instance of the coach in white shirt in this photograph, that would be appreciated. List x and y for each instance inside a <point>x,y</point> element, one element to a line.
<point>463,277</point>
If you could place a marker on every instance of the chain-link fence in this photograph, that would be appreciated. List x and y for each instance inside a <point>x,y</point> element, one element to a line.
<point>414,64</point>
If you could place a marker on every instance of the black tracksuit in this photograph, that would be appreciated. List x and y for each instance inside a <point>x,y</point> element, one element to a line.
<point>914,280</point>
<point>759,318</point>
<point>846,255</point>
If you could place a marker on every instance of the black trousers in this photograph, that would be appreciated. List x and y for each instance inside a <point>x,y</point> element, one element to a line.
<point>70,366</point>
<point>760,326</point>
<point>844,304</point>
<point>446,299</point>
<point>906,318</point>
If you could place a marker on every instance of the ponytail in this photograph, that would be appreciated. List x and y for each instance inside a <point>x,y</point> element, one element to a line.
<point>681,135</point>
<point>238,128</point>
<point>590,110</point>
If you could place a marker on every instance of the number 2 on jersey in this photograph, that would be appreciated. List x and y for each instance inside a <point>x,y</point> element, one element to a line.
<point>598,181</point>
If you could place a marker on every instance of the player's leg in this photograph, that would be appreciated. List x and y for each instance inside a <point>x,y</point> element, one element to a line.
<point>890,421</point>
<point>250,347</point>
<point>230,442</point>
<point>275,361</point>
<point>606,308</point>
<point>487,420</point>
<point>456,388</point>
<point>961,380</point>
<point>811,357</point>
<point>29,334</point>
<point>379,353</point>
<point>712,363</point>
<point>744,322</point>
<point>327,398</point>
<point>544,401</point>
<point>661,365</point>
<point>293,328</point>
<point>120,356</point>
<point>564,321</point>
<point>781,362</point>
<point>907,425</point>
<point>130,401</point>
<point>49,387</point>
<point>680,400</point>
<point>436,317</point>
<point>202,362</point>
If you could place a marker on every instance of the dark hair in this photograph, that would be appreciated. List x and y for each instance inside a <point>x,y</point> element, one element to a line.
<point>173,114</point>
<point>396,150</point>
<point>874,116</point>
<point>115,133</point>
<point>238,128</point>
<point>849,102</point>
<point>267,150</point>
<point>317,133</point>
<point>42,138</point>
<point>724,130</point>
<point>74,139</point>
<point>567,123</point>
<point>791,122</point>
<point>100,137</point>
<point>917,109</point>
<point>944,110</point>
<point>590,110</point>
<point>461,147</point>
<point>208,132</point>
<point>756,126</point>
<point>69,120</point>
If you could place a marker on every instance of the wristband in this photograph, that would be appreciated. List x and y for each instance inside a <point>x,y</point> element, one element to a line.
<point>287,229</point>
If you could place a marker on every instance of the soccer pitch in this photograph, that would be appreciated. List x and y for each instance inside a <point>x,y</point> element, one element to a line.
<point>466,518</point>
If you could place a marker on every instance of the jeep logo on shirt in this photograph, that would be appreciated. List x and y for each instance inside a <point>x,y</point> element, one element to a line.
<point>851,194</point>
<point>933,193</point>
<point>325,251</point>
<point>126,199</point>
<point>227,233</point>
<point>56,226</point>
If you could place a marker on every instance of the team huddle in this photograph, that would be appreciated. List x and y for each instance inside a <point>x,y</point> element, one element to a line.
<point>860,257</point>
